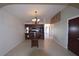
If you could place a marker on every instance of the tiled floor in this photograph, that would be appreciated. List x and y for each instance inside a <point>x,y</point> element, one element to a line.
<point>46,48</point>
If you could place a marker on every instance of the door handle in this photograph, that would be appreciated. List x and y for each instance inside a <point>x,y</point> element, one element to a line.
<point>77,38</point>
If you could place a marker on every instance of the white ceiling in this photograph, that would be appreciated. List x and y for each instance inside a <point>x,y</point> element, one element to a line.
<point>25,12</point>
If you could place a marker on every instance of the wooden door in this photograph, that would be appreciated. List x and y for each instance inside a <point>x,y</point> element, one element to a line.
<point>73,35</point>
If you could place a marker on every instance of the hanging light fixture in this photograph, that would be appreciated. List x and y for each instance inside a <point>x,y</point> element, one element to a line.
<point>35,19</point>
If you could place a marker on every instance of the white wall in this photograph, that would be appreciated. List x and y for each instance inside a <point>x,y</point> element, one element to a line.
<point>11,32</point>
<point>60,28</point>
<point>51,31</point>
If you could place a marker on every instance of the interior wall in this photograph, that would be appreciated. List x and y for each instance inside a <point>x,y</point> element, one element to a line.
<point>54,19</point>
<point>11,32</point>
<point>61,28</point>
<point>51,31</point>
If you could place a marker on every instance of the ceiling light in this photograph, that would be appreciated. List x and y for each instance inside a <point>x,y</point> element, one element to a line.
<point>35,19</point>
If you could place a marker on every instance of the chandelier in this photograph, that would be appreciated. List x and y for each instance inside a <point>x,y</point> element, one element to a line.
<point>35,20</point>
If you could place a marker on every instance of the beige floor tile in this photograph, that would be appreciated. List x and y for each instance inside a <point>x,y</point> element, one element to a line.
<point>46,48</point>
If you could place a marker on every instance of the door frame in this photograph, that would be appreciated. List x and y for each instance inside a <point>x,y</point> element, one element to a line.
<point>68,26</point>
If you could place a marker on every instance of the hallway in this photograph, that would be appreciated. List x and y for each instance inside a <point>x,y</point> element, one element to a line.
<point>54,17</point>
<point>46,48</point>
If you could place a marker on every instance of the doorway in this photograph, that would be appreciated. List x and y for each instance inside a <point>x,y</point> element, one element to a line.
<point>73,35</point>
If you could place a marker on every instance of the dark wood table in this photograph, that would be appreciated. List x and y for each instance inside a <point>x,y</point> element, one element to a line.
<point>34,43</point>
